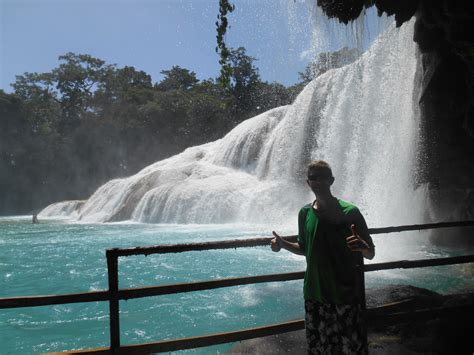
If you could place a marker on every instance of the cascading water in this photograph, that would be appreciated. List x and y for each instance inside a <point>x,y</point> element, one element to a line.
<point>360,118</point>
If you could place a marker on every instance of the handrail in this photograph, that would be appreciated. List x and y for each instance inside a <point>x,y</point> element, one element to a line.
<point>414,227</point>
<point>114,294</point>
<point>410,264</point>
<point>255,242</point>
<point>133,293</point>
<point>48,300</point>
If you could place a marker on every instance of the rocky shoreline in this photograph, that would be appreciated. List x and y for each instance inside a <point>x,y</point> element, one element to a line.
<point>446,334</point>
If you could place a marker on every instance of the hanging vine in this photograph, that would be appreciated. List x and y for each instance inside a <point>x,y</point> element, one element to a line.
<point>225,7</point>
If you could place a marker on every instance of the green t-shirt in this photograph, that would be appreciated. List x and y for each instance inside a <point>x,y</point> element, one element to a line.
<point>330,265</point>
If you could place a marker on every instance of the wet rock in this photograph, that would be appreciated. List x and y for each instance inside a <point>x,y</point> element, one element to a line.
<point>445,335</point>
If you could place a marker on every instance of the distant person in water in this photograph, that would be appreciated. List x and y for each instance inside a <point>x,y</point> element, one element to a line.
<point>35,219</point>
<point>333,236</point>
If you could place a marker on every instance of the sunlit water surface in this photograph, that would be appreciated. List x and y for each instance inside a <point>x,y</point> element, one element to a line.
<point>57,257</point>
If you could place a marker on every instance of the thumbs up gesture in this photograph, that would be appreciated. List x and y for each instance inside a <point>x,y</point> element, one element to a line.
<point>355,242</point>
<point>276,243</point>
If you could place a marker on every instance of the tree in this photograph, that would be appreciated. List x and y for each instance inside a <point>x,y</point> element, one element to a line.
<point>68,89</point>
<point>244,73</point>
<point>76,79</point>
<point>244,81</point>
<point>177,78</point>
<point>27,152</point>
<point>117,83</point>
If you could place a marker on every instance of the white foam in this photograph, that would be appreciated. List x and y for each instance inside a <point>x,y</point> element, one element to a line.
<point>360,118</point>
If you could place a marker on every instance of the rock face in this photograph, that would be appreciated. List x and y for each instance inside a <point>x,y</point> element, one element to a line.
<point>448,334</point>
<point>442,335</point>
<point>444,34</point>
<point>447,109</point>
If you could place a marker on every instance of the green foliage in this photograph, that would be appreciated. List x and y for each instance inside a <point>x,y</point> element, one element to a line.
<point>66,132</point>
<point>225,7</point>
<point>245,80</point>
<point>178,78</point>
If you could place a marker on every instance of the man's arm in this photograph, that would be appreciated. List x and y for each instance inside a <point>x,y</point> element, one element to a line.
<point>278,243</point>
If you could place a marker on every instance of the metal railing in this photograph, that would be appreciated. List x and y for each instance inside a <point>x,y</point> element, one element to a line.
<point>386,314</point>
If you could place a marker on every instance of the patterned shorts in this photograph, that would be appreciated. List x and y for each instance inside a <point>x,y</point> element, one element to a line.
<point>334,329</point>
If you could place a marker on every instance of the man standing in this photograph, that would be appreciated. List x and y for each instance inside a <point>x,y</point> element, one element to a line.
<point>333,236</point>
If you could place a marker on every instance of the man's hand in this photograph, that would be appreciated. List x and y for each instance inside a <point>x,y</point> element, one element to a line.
<point>279,243</point>
<point>355,242</point>
<point>276,242</point>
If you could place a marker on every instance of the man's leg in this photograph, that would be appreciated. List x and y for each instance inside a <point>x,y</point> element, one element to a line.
<point>351,329</point>
<point>317,331</point>
<point>334,329</point>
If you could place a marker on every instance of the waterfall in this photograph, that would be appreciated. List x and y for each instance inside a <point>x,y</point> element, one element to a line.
<point>361,118</point>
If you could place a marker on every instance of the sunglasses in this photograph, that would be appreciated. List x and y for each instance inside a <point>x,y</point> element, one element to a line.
<point>314,177</point>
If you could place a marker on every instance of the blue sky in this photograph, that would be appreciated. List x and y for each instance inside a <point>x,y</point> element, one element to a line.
<point>153,35</point>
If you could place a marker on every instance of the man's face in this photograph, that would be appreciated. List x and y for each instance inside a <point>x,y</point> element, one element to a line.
<point>320,181</point>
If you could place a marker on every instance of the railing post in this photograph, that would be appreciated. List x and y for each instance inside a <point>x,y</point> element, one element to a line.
<point>363,304</point>
<point>112,270</point>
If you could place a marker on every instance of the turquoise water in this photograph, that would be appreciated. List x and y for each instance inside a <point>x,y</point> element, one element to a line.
<point>57,257</point>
